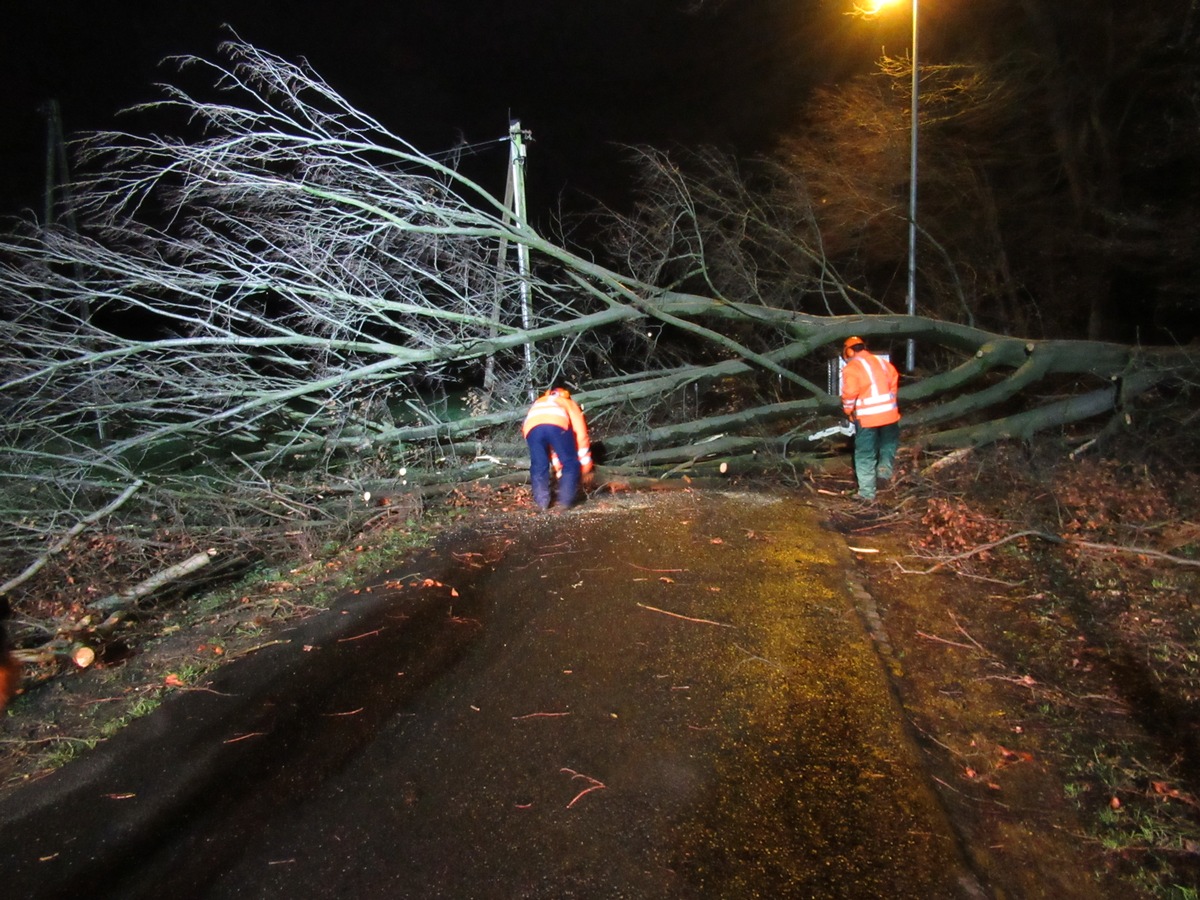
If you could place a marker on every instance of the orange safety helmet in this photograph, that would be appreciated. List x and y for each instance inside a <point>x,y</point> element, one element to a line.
<point>853,345</point>
<point>559,392</point>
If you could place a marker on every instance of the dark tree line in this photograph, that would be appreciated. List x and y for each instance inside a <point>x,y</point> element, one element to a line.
<point>1058,165</point>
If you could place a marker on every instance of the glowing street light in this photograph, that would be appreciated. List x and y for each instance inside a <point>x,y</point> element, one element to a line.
<point>871,9</point>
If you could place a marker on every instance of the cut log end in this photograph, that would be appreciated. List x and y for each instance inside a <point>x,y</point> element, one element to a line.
<point>83,656</point>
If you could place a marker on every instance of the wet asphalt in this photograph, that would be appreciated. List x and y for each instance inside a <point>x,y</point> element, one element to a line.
<point>654,695</point>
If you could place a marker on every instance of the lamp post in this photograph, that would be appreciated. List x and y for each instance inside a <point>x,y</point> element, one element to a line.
<point>911,360</point>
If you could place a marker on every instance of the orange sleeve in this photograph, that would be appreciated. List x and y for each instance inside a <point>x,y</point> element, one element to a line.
<point>579,425</point>
<point>583,443</point>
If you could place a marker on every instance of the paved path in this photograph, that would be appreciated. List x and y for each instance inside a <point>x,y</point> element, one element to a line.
<point>666,695</point>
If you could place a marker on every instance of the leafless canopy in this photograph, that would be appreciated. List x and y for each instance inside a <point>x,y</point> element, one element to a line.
<point>265,308</point>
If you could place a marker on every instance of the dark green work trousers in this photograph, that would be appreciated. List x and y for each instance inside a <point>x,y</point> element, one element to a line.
<point>875,456</point>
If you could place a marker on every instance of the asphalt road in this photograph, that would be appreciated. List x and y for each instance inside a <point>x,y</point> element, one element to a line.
<point>665,695</point>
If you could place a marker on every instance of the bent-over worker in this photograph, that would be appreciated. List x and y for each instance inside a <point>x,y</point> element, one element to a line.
<point>10,669</point>
<point>869,386</point>
<point>555,426</point>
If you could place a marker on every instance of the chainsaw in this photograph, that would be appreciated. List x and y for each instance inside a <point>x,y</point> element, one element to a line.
<point>846,428</point>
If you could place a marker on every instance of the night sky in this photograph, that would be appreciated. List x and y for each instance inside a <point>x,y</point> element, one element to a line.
<point>582,76</point>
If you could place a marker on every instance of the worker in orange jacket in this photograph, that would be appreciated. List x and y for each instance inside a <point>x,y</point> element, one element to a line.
<point>10,669</point>
<point>869,386</point>
<point>555,428</point>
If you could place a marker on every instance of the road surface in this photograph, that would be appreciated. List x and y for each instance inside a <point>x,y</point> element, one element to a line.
<point>653,695</point>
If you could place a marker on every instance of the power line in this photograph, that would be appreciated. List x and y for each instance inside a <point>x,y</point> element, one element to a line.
<point>461,150</point>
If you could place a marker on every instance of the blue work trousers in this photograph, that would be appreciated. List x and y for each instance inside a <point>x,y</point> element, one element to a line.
<point>541,440</point>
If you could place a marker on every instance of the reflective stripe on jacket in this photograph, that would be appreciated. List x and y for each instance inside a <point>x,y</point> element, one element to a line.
<point>869,386</point>
<point>564,412</point>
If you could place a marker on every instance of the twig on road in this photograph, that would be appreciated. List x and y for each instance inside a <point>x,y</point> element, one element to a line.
<point>762,659</point>
<point>541,715</point>
<point>596,785</point>
<point>685,618</point>
<point>257,647</point>
<point>942,640</point>
<point>958,626</point>
<point>359,637</point>
<point>243,737</point>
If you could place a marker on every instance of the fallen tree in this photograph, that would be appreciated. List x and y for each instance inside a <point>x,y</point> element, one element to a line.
<point>257,323</point>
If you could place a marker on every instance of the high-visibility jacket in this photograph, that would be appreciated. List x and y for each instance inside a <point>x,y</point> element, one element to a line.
<point>555,409</point>
<point>869,386</point>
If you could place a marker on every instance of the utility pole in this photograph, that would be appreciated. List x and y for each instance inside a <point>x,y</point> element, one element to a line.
<point>516,174</point>
<point>515,210</point>
<point>911,307</point>
<point>911,360</point>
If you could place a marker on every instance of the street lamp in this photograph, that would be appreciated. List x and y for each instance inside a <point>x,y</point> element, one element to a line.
<point>875,7</point>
